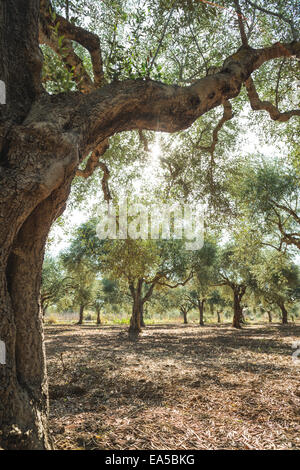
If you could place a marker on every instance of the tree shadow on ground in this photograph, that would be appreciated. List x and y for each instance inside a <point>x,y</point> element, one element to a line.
<point>199,371</point>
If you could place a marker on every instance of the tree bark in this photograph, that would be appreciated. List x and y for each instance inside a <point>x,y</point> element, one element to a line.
<point>184,314</point>
<point>201,311</point>
<point>36,171</point>
<point>23,379</point>
<point>43,138</point>
<point>98,316</point>
<point>219,316</point>
<point>81,310</point>
<point>236,312</point>
<point>135,321</point>
<point>27,211</point>
<point>269,316</point>
<point>142,315</point>
<point>283,313</point>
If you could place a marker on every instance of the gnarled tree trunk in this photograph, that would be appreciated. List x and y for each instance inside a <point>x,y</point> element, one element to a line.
<point>142,315</point>
<point>139,299</point>
<point>269,316</point>
<point>98,311</point>
<point>81,310</point>
<point>201,311</point>
<point>237,312</point>
<point>238,293</point>
<point>23,379</point>
<point>184,314</point>
<point>30,200</point>
<point>135,321</point>
<point>43,138</point>
<point>284,314</point>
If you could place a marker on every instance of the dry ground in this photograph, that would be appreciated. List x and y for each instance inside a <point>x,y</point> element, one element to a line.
<point>178,387</point>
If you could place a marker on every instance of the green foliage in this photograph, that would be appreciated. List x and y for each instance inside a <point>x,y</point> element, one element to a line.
<point>278,279</point>
<point>267,194</point>
<point>53,282</point>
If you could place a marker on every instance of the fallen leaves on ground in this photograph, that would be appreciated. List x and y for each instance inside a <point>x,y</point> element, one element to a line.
<point>177,387</point>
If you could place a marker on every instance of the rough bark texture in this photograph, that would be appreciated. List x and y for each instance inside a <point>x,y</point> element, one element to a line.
<point>142,315</point>
<point>184,314</point>
<point>284,314</point>
<point>81,310</point>
<point>98,316</point>
<point>43,138</point>
<point>139,299</point>
<point>269,316</point>
<point>135,321</point>
<point>238,293</point>
<point>35,178</point>
<point>201,311</point>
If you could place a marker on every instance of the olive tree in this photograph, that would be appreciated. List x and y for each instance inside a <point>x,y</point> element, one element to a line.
<point>48,138</point>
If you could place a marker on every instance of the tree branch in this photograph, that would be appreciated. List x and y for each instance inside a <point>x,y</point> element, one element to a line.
<point>93,163</point>
<point>149,293</point>
<point>146,104</point>
<point>73,63</point>
<point>143,140</point>
<point>240,23</point>
<point>288,238</point>
<point>227,115</point>
<point>278,15</point>
<point>161,40</point>
<point>183,283</point>
<point>286,209</point>
<point>67,30</point>
<point>258,105</point>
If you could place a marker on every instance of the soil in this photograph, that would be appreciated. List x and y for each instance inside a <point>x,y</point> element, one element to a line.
<point>177,387</point>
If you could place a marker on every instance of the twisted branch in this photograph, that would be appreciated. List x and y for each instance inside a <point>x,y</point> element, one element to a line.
<point>278,15</point>
<point>56,25</point>
<point>258,105</point>
<point>240,23</point>
<point>93,163</point>
<point>72,61</point>
<point>227,115</point>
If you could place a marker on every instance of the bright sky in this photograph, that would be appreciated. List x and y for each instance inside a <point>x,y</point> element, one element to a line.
<point>151,176</point>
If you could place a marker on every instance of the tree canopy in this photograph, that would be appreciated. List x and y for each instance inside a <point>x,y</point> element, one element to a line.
<point>85,80</point>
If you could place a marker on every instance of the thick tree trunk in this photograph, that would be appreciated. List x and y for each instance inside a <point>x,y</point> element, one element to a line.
<point>238,293</point>
<point>142,315</point>
<point>270,316</point>
<point>27,211</point>
<point>201,312</point>
<point>284,314</point>
<point>23,379</point>
<point>42,140</point>
<point>184,314</point>
<point>44,310</point>
<point>98,316</point>
<point>81,310</point>
<point>135,321</point>
<point>237,311</point>
<point>38,161</point>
